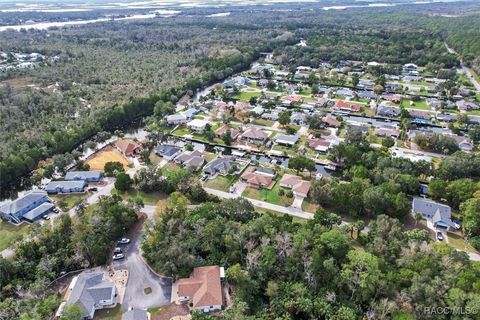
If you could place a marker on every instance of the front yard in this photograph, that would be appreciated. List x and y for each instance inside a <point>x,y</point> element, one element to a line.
<point>270,196</point>
<point>68,201</point>
<point>151,198</point>
<point>109,313</point>
<point>221,183</point>
<point>416,104</point>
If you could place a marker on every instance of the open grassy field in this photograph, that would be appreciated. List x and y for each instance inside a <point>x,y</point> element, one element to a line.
<point>151,198</point>
<point>9,233</point>
<point>246,95</point>
<point>98,160</point>
<point>221,183</point>
<point>68,201</point>
<point>457,242</point>
<point>416,105</point>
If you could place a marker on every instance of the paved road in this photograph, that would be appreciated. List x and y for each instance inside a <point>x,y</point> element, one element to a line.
<point>140,278</point>
<point>465,70</point>
<point>296,212</point>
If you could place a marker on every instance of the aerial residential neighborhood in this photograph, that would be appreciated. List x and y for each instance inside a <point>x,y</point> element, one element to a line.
<point>239,160</point>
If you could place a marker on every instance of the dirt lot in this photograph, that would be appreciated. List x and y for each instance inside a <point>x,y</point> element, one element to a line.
<point>109,154</point>
<point>171,311</point>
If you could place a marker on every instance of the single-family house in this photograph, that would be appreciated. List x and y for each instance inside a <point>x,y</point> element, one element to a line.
<point>31,207</point>
<point>439,214</point>
<point>291,99</point>
<point>297,118</point>
<point>270,116</point>
<point>319,145</point>
<point>387,132</point>
<point>192,160</point>
<point>128,147</point>
<point>331,122</point>
<point>167,152</point>
<point>419,115</point>
<point>366,95</point>
<point>288,140</point>
<point>252,134</point>
<point>66,186</point>
<point>91,292</point>
<point>219,165</point>
<point>446,117</point>
<point>345,106</point>
<point>410,67</point>
<point>88,176</point>
<point>234,132</point>
<point>258,110</point>
<point>197,125</point>
<point>202,290</point>
<point>464,143</point>
<point>464,105</point>
<point>258,177</point>
<point>345,92</point>
<point>299,186</point>
<point>176,119</point>
<point>365,84</point>
<point>396,98</point>
<point>387,111</point>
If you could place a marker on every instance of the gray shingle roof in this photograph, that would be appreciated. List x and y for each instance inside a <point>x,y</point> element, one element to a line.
<point>286,138</point>
<point>167,150</point>
<point>89,290</point>
<point>38,211</point>
<point>428,208</point>
<point>219,165</point>
<point>443,217</point>
<point>65,185</point>
<point>82,175</point>
<point>23,202</point>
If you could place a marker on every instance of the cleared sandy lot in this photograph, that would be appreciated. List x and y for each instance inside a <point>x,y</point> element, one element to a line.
<point>97,161</point>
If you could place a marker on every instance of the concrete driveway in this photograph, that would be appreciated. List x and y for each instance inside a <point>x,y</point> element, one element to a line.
<point>141,278</point>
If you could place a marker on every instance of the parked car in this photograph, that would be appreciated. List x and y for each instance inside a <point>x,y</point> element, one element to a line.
<point>55,210</point>
<point>117,250</point>
<point>204,177</point>
<point>93,189</point>
<point>118,256</point>
<point>457,224</point>
<point>123,241</point>
<point>439,236</point>
<point>232,189</point>
<point>46,217</point>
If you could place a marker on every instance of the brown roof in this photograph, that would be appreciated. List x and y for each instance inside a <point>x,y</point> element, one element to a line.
<point>203,287</point>
<point>233,132</point>
<point>127,147</point>
<point>251,176</point>
<point>331,121</point>
<point>254,133</point>
<point>340,104</point>
<point>296,183</point>
<point>313,143</point>
<point>292,98</point>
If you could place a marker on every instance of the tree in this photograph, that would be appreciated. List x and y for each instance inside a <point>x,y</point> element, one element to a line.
<point>72,312</point>
<point>418,217</point>
<point>327,219</point>
<point>388,142</point>
<point>227,137</point>
<point>301,163</point>
<point>284,117</point>
<point>123,182</point>
<point>378,89</point>
<point>112,168</point>
<point>361,275</point>
<point>315,122</point>
<point>470,212</point>
<point>355,80</point>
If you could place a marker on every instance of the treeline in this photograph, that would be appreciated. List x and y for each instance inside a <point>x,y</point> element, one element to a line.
<point>279,269</point>
<point>48,252</point>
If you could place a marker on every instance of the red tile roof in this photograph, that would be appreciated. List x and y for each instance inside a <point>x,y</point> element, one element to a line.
<point>342,105</point>
<point>127,147</point>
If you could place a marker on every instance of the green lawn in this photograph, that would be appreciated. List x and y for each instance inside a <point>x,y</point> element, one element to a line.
<point>263,122</point>
<point>478,96</point>
<point>68,201</point>
<point>457,242</point>
<point>474,112</point>
<point>309,206</point>
<point>10,233</point>
<point>181,132</point>
<point>416,105</point>
<point>270,196</point>
<point>109,313</point>
<point>221,183</point>
<point>246,95</point>
<point>148,198</point>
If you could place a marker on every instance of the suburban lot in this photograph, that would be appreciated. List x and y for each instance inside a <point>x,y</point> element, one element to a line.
<point>98,160</point>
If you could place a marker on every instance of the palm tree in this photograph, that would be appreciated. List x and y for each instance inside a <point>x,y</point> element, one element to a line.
<point>417,216</point>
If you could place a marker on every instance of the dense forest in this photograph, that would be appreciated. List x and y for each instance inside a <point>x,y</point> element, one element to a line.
<point>281,269</point>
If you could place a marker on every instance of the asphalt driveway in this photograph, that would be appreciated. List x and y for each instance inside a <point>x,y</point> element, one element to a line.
<point>141,278</point>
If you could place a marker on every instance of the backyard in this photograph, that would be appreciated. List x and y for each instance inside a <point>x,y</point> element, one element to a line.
<point>9,233</point>
<point>416,104</point>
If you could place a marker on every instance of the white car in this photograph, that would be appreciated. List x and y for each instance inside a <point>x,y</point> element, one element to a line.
<point>123,241</point>
<point>118,256</point>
